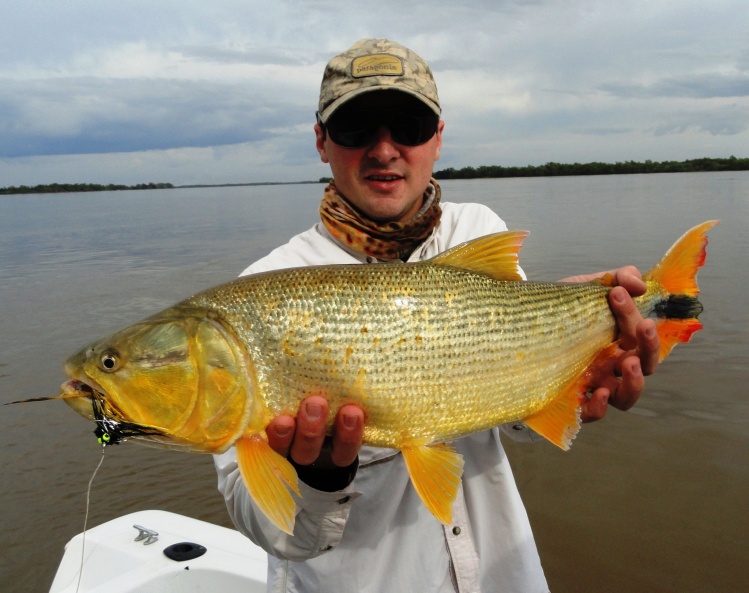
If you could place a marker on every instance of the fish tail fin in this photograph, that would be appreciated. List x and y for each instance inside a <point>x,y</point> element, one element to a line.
<point>435,472</point>
<point>677,271</point>
<point>268,477</point>
<point>676,274</point>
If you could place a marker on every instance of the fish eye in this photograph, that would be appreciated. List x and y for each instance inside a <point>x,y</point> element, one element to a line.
<point>110,361</point>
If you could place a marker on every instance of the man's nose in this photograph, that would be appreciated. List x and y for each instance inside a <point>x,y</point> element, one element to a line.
<point>383,148</point>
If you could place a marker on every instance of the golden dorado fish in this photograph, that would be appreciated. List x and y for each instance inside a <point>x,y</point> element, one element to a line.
<point>431,351</point>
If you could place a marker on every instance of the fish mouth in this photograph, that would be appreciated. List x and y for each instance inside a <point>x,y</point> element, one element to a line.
<point>111,427</point>
<point>75,388</point>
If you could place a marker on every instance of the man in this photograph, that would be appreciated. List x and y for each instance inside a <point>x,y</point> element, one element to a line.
<point>360,525</point>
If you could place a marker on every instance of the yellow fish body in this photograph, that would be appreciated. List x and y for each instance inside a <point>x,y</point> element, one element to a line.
<point>431,351</point>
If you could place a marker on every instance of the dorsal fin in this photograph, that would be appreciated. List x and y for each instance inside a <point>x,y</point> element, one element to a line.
<point>495,255</point>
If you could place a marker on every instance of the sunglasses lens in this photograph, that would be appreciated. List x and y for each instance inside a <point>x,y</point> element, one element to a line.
<point>413,129</point>
<point>351,131</point>
<point>356,129</point>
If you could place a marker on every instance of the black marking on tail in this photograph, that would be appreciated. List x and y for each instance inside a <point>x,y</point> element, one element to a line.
<point>679,306</point>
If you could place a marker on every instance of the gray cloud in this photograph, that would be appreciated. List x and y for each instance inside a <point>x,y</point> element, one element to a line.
<point>612,131</point>
<point>727,121</point>
<point>250,55</point>
<point>695,86</point>
<point>87,115</point>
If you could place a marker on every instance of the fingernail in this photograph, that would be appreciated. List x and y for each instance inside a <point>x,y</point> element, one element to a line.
<point>618,296</point>
<point>283,431</point>
<point>314,411</point>
<point>350,421</point>
<point>650,332</point>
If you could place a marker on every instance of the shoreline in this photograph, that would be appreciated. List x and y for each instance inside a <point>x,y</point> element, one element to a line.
<point>551,169</point>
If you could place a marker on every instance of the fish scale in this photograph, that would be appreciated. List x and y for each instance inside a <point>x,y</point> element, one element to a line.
<point>412,341</point>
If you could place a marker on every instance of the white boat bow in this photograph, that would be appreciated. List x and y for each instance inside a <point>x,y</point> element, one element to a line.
<point>131,554</point>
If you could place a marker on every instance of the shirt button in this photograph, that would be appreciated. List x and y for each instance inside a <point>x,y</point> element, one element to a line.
<point>456,530</point>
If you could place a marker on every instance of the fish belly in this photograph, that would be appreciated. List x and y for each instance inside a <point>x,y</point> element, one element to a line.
<point>430,352</point>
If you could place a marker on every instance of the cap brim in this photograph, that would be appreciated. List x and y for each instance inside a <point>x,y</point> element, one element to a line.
<point>330,109</point>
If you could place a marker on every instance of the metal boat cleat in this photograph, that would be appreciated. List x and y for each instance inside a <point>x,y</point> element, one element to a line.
<point>149,535</point>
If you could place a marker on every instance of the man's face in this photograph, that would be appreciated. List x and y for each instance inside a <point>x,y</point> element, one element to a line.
<point>384,180</point>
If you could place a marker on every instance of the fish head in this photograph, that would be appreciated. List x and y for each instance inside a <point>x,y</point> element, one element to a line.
<point>180,381</point>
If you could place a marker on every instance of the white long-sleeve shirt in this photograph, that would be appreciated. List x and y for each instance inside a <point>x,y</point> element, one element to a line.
<point>376,535</point>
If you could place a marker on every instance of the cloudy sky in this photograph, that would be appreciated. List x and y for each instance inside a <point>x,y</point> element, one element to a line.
<point>224,91</point>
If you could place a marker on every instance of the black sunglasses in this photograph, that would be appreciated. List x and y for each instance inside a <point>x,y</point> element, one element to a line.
<point>358,128</point>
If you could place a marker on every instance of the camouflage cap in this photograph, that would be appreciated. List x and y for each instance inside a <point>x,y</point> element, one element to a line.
<point>375,65</point>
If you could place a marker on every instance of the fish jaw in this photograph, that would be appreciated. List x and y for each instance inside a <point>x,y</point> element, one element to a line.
<point>77,395</point>
<point>180,378</point>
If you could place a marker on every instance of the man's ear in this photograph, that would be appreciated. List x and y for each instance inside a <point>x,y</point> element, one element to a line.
<point>320,143</point>
<point>440,127</point>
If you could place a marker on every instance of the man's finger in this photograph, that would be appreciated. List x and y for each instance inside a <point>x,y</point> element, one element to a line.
<point>280,432</point>
<point>347,437</point>
<point>627,316</point>
<point>595,408</point>
<point>311,424</point>
<point>631,385</point>
<point>629,278</point>
<point>648,346</point>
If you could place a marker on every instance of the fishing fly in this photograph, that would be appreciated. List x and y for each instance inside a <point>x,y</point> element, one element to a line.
<point>107,431</point>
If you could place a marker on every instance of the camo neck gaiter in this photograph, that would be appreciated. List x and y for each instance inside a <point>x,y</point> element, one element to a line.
<point>387,240</point>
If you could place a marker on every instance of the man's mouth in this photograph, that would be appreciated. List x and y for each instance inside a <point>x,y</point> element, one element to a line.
<point>384,177</point>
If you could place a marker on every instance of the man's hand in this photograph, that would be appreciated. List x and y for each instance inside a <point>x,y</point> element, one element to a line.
<point>302,439</point>
<point>621,383</point>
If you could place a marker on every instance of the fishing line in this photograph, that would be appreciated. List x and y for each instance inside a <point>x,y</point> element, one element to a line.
<point>85,520</point>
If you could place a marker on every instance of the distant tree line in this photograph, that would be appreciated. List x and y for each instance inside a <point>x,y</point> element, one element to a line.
<point>628,167</point>
<point>56,188</point>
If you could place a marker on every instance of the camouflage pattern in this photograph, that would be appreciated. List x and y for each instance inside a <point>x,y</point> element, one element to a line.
<point>373,65</point>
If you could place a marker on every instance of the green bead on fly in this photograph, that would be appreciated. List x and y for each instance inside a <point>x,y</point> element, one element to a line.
<point>104,437</point>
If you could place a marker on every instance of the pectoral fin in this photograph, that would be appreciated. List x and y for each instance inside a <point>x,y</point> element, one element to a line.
<point>268,477</point>
<point>435,472</point>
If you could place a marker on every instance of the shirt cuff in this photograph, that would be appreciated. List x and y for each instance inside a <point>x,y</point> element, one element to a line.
<point>326,479</point>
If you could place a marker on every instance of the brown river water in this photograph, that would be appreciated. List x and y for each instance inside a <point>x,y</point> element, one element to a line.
<point>656,499</point>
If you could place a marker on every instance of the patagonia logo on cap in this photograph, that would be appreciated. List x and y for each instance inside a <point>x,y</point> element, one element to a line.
<point>377,65</point>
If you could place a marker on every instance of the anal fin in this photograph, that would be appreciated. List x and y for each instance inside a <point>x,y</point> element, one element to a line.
<point>435,472</point>
<point>268,477</point>
<point>559,421</point>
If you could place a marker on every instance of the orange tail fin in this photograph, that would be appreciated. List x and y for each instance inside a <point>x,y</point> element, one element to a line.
<point>676,273</point>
